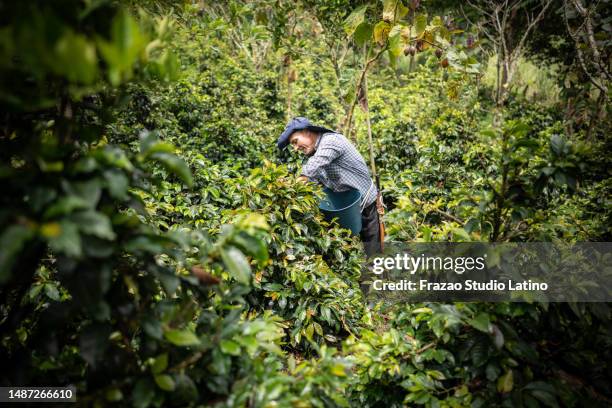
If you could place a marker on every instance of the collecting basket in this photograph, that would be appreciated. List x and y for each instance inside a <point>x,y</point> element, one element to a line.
<point>344,206</point>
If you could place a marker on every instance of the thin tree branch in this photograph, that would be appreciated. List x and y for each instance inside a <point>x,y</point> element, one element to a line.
<point>574,36</point>
<point>349,118</point>
<point>531,26</point>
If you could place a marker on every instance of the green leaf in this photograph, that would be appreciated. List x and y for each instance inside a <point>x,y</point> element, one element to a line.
<point>437,21</point>
<point>230,347</point>
<point>165,382</point>
<point>150,143</point>
<point>40,197</point>
<point>160,364</point>
<point>481,322</point>
<point>519,129</point>
<point>237,264</point>
<point>143,393</point>
<point>65,205</point>
<point>426,230</point>
<point>545,398</point>
<point>395,41</point>
<point>68,241</point>
<point>392,59</point>
<point>170,282</point>
<point>461,234</point>
<point>354,20</point>
<point>89,191</point>
<point>542,386</point>
<point>505,383</point>
<point>492,371</point>
<point>389,10</point>
<point>127,42</point>
<point>252,222</point>
<point>35,291</point>
<point>381,32</point>
<point>557,144</point>
<point>75,58</point>
<point>175,165</point>
<point>420,24</point>
<point>185,392</point>
<point>560,178</point>
<point>152,327</point>
<point>52,292</point>
<point>113,395</point>
<point>160,147</point>
<point>438,375</point>
<point>117,183</point>
<point>151,243</point>
<point>253,246</point>
<point>182,337</point>
<point>166,67</point>
<point>338,370</point>
<point>544,392</point>
<point>309,332</point>
<point>393,10</point>
<point>94,223</point>
<point>113,156</point>
<point>12,240</point>
<point>363,33</point>
<point>401,10</point>
<point>250,343</point>
<point>480,352</point>
<point>85,165</point>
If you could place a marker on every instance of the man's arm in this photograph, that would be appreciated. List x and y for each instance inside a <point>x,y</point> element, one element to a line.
<point>324,155</point>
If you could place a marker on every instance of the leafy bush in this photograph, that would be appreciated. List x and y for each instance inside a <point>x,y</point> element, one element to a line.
<point>154,252</point>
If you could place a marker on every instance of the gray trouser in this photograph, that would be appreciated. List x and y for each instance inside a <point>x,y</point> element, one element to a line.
<point>370,229</point>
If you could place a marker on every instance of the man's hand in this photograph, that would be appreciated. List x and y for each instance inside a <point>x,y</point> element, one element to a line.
<point>302,179</point>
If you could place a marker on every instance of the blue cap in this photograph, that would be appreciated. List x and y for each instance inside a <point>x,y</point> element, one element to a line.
<point>296,124</point>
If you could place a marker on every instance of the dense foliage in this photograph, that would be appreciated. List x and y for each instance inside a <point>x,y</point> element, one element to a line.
<point>156,250</point>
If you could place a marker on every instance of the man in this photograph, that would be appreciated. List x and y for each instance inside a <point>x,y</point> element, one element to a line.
<point>334,162</point>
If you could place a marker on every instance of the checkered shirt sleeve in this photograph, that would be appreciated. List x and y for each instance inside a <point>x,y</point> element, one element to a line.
<point>338,165</point>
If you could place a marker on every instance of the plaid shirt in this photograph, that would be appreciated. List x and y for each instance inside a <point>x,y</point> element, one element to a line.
<point>338,165</point>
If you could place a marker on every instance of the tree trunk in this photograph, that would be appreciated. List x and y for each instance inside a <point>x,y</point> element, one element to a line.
<point>349,116</point>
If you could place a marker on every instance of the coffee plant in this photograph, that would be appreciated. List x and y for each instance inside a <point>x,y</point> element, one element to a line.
<point>156,249</point>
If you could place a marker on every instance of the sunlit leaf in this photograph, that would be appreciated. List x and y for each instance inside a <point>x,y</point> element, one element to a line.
<point>381,32</point>
<point>165,382</point>
<point>230,347</point>
<point>160,364</point>
<point>420,24</point>
<point>505,383</point>
<point>182,337</point>
<point>354,20</point>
